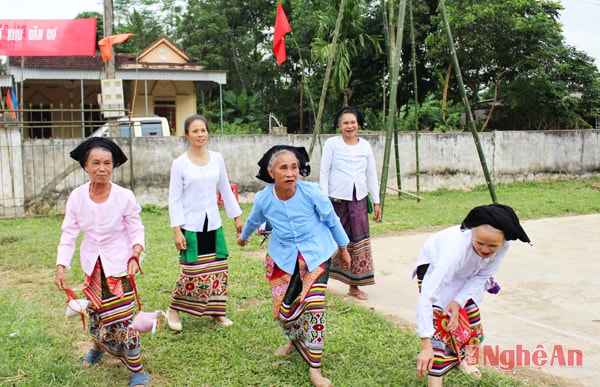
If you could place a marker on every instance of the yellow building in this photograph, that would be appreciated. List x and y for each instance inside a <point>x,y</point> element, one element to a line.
<point>162,80</point>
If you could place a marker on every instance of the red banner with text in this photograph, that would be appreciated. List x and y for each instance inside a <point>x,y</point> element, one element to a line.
<point>48,37</point>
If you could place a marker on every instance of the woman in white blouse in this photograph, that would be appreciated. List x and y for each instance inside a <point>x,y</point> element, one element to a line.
<point>348,174</point>
<point>453,270</point>
<point>201,288</point>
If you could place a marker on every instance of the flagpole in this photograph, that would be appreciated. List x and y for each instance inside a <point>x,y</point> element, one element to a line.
<point>302,67</point>
<point>108,31</point>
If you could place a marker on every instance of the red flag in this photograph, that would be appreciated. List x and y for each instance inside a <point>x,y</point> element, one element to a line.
<point>9,104</point>
<point>106,44</point>
<point>282,27</point>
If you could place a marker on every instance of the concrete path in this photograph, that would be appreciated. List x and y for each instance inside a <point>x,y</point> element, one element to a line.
<point>549,298</point>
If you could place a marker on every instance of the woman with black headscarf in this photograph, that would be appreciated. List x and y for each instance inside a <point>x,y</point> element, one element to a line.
<point>306,234</point>
<point>113,240</point>
<point>454,270</point>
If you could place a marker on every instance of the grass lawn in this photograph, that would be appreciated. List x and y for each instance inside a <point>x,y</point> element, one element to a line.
<point>40,347</point>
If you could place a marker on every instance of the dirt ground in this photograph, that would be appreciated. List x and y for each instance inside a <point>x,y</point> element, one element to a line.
<point>546,307</point>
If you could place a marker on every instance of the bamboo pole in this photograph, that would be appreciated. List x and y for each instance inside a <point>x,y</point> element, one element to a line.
<point>391,122</point>
<point>419,198</point>
<point>336,34</point>
<point>463,92</point>
<point>416,90</point>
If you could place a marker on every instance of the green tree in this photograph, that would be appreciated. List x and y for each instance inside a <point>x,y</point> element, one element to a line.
<point>511,51</point>
<point>242,108</point>
<point>233,37</point>
<point>352,41</point>
<point>494,41</point>
<point>145,29</point>
<point>563,92</point>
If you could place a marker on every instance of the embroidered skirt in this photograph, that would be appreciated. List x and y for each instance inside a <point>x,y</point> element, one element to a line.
<point>355,219</point>
<point>445,355</point>
<point>201,287</point>
<point>299,306</point>
<point>108,323</point>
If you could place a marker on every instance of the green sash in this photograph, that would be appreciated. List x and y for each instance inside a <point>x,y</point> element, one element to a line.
<point>191,239</point>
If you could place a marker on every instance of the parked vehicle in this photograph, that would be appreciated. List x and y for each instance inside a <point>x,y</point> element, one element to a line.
<point>145,126</point>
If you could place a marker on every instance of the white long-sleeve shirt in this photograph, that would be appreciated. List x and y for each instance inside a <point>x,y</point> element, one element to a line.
<point>193,193</point>
<point>455,273</point>
<point>344,167</point>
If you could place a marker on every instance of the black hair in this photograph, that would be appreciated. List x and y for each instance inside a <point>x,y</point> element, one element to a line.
<point>360,117</point>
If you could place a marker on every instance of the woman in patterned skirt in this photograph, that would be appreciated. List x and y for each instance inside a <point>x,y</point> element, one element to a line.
<point>109,217</point>
<point>201,288</point>
<point>347,175</point>
<point>306,234</point>
<point>453,271</point>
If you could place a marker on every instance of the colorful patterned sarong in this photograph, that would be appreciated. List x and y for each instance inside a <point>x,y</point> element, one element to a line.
<point>355,219</point>
<point>201,288</point>
<point>445,356</point>
<point>299,306</point>
<point>109,323</point>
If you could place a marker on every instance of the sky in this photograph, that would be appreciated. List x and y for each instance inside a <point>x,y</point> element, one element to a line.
<point>581,27</point>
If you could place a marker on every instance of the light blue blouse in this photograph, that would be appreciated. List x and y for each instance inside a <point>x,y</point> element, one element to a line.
<point>305,223</point>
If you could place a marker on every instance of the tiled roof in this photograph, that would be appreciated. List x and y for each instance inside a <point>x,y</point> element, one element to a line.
<point>58,62</point>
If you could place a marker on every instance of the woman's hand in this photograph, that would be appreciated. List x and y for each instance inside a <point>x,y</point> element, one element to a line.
<point>452,311</point>
<point>180,243</point>
<point>133,266</point>
<point>425,358</point>
<point>61,279</point>
<point>345,256</point>
<point>242,242</point>
<point>238,225</point>
<point>376,212</point>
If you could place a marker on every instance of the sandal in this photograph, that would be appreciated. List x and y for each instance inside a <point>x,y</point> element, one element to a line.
<point>359,295</point>
<point>469,370</point>
<point>92,357</point>
<point>140,379</point>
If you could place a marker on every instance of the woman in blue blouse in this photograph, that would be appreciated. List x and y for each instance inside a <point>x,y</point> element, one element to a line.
<point>306,234</point>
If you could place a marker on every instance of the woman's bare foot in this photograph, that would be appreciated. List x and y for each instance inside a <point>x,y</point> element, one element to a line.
<point>285,349</point>
<point>223,321</point>
<point>470,370</point>
<point>318,380</point>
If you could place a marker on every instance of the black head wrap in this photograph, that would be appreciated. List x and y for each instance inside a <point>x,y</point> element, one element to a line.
<point>498,216</point>
<point>83,150</point>
<point>360,117</point>
<point>299,151</point>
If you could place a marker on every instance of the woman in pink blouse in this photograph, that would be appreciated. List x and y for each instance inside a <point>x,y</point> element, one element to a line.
<point>113,240</point>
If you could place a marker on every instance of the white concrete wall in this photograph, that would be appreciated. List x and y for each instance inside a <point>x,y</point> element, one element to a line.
<point>11,173</point>
<point>447,160</point>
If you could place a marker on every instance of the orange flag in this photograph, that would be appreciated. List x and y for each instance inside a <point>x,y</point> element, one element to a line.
<point>282,27</point>
<point>106,44</point>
